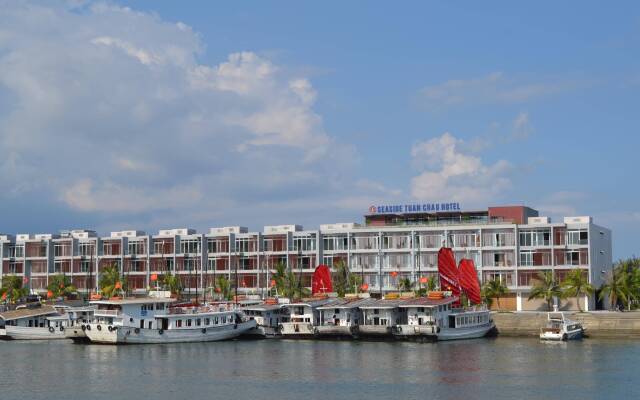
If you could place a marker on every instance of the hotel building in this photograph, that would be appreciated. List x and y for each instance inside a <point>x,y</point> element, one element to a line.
<point>511,243</point>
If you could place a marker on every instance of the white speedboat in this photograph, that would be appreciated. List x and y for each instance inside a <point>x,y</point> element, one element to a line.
<point>155,320</point>
<point>561,328</point>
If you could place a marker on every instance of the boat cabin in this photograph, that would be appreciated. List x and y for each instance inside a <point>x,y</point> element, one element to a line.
<point>468,319</point>
<point>382,313</point>
<point>268,315</point>
<point>138,312</point>
<point>306,312</point>
<point>425,311</point>
<point>343,313</point>
<point>35,316</point>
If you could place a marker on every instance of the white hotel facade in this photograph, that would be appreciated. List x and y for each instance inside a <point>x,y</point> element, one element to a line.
<point>510,243</point>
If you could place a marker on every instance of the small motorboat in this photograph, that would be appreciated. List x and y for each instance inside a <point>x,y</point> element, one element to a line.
<point>560,328</point>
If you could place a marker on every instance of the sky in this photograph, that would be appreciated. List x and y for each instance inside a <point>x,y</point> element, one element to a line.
<point>158,114</point>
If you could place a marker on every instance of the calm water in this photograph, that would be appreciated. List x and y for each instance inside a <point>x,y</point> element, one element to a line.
<point>500,368</point>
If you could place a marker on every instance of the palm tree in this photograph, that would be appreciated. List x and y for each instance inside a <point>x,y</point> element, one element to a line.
<point>280,277</point>
<point>111,282</point>
<point>172,283</point>
<point>576,284</point>
<point>223,287</point>
<point>12,288</point>
<point>341,278</point>
<point>611,288</point>
<point>60,286</point>
<point>405,284</point>
<point>493,289</point>
<point>545,287</point>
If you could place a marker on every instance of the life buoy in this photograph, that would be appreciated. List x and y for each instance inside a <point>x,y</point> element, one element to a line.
<point>160,332</point>
<point>137,330</point>
<point>61,328</point>
<point>280,327</point>
<point>110,328</point>
<point>88,327</point>
<point>99,327</point>
<point>204,330</point>
<point>84,327</point>
<point>399,329</point>
<point>51,329</point>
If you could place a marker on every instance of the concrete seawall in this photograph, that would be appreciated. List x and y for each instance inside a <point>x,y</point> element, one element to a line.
<point>597,324</point>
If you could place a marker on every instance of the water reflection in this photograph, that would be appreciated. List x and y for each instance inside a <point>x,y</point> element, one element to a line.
<point>502,368</point>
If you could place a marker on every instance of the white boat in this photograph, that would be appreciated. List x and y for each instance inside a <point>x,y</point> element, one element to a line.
<point>268,318</point>
<point>561,328</point>
<point>437,319</point>
<point>304,316</point>
<point>341,319</point>
<point>155,320</point>
<point>42,322</point>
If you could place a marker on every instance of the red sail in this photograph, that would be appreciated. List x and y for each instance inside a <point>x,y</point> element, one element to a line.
<point>448,271</point>
<point>321,280</point>
<point>468,278</point>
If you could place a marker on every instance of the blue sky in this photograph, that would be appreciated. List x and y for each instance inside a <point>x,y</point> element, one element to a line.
<point>153,114</point>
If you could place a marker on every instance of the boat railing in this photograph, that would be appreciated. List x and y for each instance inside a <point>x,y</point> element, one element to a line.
<point>108,313</point>
<point>201,309</point>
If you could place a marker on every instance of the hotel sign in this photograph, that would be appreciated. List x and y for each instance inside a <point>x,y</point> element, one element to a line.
<point>414,208</point>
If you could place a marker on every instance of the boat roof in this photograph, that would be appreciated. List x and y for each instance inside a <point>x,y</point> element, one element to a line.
<point>263,307</point>
<point>314,302</point>
<point>346,303</point>
<point>381,303</point>
<point>134,300</point>
<point>427,302</point>
<point>27,313</point>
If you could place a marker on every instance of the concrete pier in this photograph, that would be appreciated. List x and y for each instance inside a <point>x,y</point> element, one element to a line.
<point>597,324</point>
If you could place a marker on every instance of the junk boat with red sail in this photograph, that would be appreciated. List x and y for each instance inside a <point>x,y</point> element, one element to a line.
<point>441,316</point>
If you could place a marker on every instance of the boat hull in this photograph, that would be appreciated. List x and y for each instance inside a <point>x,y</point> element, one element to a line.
<point>415,332</point>
<point>297,330</point>
<point>31,333</point>
<point>374,331</point>
<point>131,335</point>
<point>557,337</point>
<point>337,332</point>
<point>465,333</point>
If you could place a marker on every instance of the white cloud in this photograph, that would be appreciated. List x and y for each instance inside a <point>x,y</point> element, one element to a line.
<point>451,174</point>
<point>490,89</point>
<point>114,120</point>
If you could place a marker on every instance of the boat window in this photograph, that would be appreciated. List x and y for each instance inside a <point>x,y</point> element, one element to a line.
<point>215,320</point>
<point>189,322</point>
<point>160,306</point>
<point>179,323</point>
<point>207,321</point>
<point>420,309</point>
<point>198,322</point>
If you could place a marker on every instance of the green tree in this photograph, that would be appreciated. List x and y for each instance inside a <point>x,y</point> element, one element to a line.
<point>493,289</point>
<point>111,283</point>
<point>172,283</point>
<point>545,287</point>
<point>12,288</point>
<point>405,285</point>
<point>60,286</point>
<point>280,278</point>
<point>341,278</point>
<point>355,281</point>
<point>576,284</point>
<point>223,287</point>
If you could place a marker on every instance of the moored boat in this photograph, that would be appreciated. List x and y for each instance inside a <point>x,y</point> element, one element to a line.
<point>153,320</point>
<point>560,328</point>
<point>37,321</point>
<point>304,316</point>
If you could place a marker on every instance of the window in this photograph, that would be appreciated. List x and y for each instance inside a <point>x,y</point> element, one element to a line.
<point>335,243</point>
<point>190,246</point>
<point>179,323</point>
<point>164,246</point>
<point>198,322</point>
<point>207,321</point>
<point>577,237</point>
<point>62,250</point>
<point>160,306</point>
<point>86,249</point>
<point>220,245</point>
<point>189,322</point>
<point>85,265</point>
<point>137,247</point>
<point>304,243</point>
